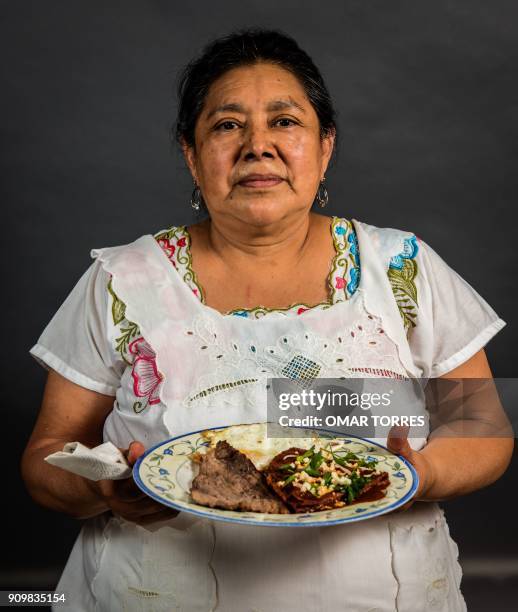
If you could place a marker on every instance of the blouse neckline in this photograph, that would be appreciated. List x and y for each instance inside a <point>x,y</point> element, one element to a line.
<point>342,280</point>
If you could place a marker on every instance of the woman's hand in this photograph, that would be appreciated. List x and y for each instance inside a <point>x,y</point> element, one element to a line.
<point>397,443</point>
<point>70,412</point>
<point>472,445</point>
<point>126,500</point>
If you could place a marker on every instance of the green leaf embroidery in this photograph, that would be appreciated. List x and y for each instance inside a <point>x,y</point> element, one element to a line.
<point>403,279</point>
<point>118,306</point>
<point>405,291</point>
<point>129,331</point>
<point>127,335</point>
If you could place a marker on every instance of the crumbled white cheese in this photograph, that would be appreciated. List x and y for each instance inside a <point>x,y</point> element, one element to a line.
<point>343,480</point>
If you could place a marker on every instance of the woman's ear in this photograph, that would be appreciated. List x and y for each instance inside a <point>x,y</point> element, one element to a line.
<point>328,145</point>
<point>190,158</point>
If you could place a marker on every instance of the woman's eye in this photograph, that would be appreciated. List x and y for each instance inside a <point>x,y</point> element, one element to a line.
<point>226,126</point>
<point>284,122</point>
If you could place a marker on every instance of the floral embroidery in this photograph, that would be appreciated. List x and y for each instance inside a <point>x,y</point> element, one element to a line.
<point>240,313</point>
<point>167,246</point>
<point>410,249</point>
<point>147,379</point>
<point>135,351</point>
<point>128,330</point>
<point>261,311</point>
<point>402,272</point>
<point>175,243</point>
<point>352,239</point>
<point>345,271</point>
<point>346,265</point>
<point>118,306</point>
<point>343,281</point>
<point>355,280</point>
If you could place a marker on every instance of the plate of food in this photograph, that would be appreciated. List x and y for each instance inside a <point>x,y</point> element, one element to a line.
<point>257,475</point>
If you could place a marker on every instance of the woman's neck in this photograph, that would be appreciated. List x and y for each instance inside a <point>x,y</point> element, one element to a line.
<point>273,270</point>
<point>245,245</point>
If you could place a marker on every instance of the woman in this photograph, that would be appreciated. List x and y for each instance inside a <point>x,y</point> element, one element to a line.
<point>169,335</point>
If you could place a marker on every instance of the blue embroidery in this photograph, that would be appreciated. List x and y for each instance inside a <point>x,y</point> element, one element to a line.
<point>410,250</point>
<point>354,282</point>
<point>353,248</point>
<point>402,272</point>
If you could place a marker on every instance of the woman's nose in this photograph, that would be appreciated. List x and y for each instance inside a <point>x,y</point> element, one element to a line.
<point>258,144</point>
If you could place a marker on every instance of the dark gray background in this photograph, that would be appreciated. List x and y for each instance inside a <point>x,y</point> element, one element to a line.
<point>428,101</point>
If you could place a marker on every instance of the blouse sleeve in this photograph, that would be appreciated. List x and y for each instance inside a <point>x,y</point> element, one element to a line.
<point>453,321</point>
<point>76,341</point>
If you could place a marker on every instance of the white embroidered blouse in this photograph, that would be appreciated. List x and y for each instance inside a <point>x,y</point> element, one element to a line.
<point>90,341</point>
<point>395,309</point>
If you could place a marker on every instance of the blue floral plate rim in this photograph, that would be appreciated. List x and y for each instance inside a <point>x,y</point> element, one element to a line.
<point>221,515</point>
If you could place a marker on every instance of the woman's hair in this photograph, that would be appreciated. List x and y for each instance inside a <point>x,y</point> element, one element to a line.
<point>244,48</point>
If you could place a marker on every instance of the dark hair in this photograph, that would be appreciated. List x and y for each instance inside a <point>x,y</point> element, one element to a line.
<point>243,48</point>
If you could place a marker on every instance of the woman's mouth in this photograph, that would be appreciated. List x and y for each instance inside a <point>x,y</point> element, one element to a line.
<point>260,180</point>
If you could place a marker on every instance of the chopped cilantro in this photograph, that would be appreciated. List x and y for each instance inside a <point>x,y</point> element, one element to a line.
<point>290,479</point>
<point>312,472</point>
<point>308,453</point>
<point>328,478</point>
<point>316,461</point>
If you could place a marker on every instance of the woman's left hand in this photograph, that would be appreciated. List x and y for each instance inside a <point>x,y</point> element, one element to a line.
<point>397,443</point>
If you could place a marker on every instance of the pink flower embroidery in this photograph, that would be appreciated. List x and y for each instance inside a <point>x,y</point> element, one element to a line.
<point>301,310</point>
<point>181,242</point>
<point>167,247</point>
<point>339,282</point>
<point>146,377</point>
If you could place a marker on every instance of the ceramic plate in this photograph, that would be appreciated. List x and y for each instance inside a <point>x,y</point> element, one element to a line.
<point>165,473</point>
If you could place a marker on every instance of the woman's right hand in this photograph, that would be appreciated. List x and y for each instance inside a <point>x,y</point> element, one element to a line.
<point>63,491</point>
<point>126,500</point>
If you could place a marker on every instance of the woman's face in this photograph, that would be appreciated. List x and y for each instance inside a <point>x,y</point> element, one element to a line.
<point>258,154</point>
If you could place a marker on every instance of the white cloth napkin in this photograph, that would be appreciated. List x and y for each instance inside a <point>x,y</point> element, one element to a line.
<point>102,462</point>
